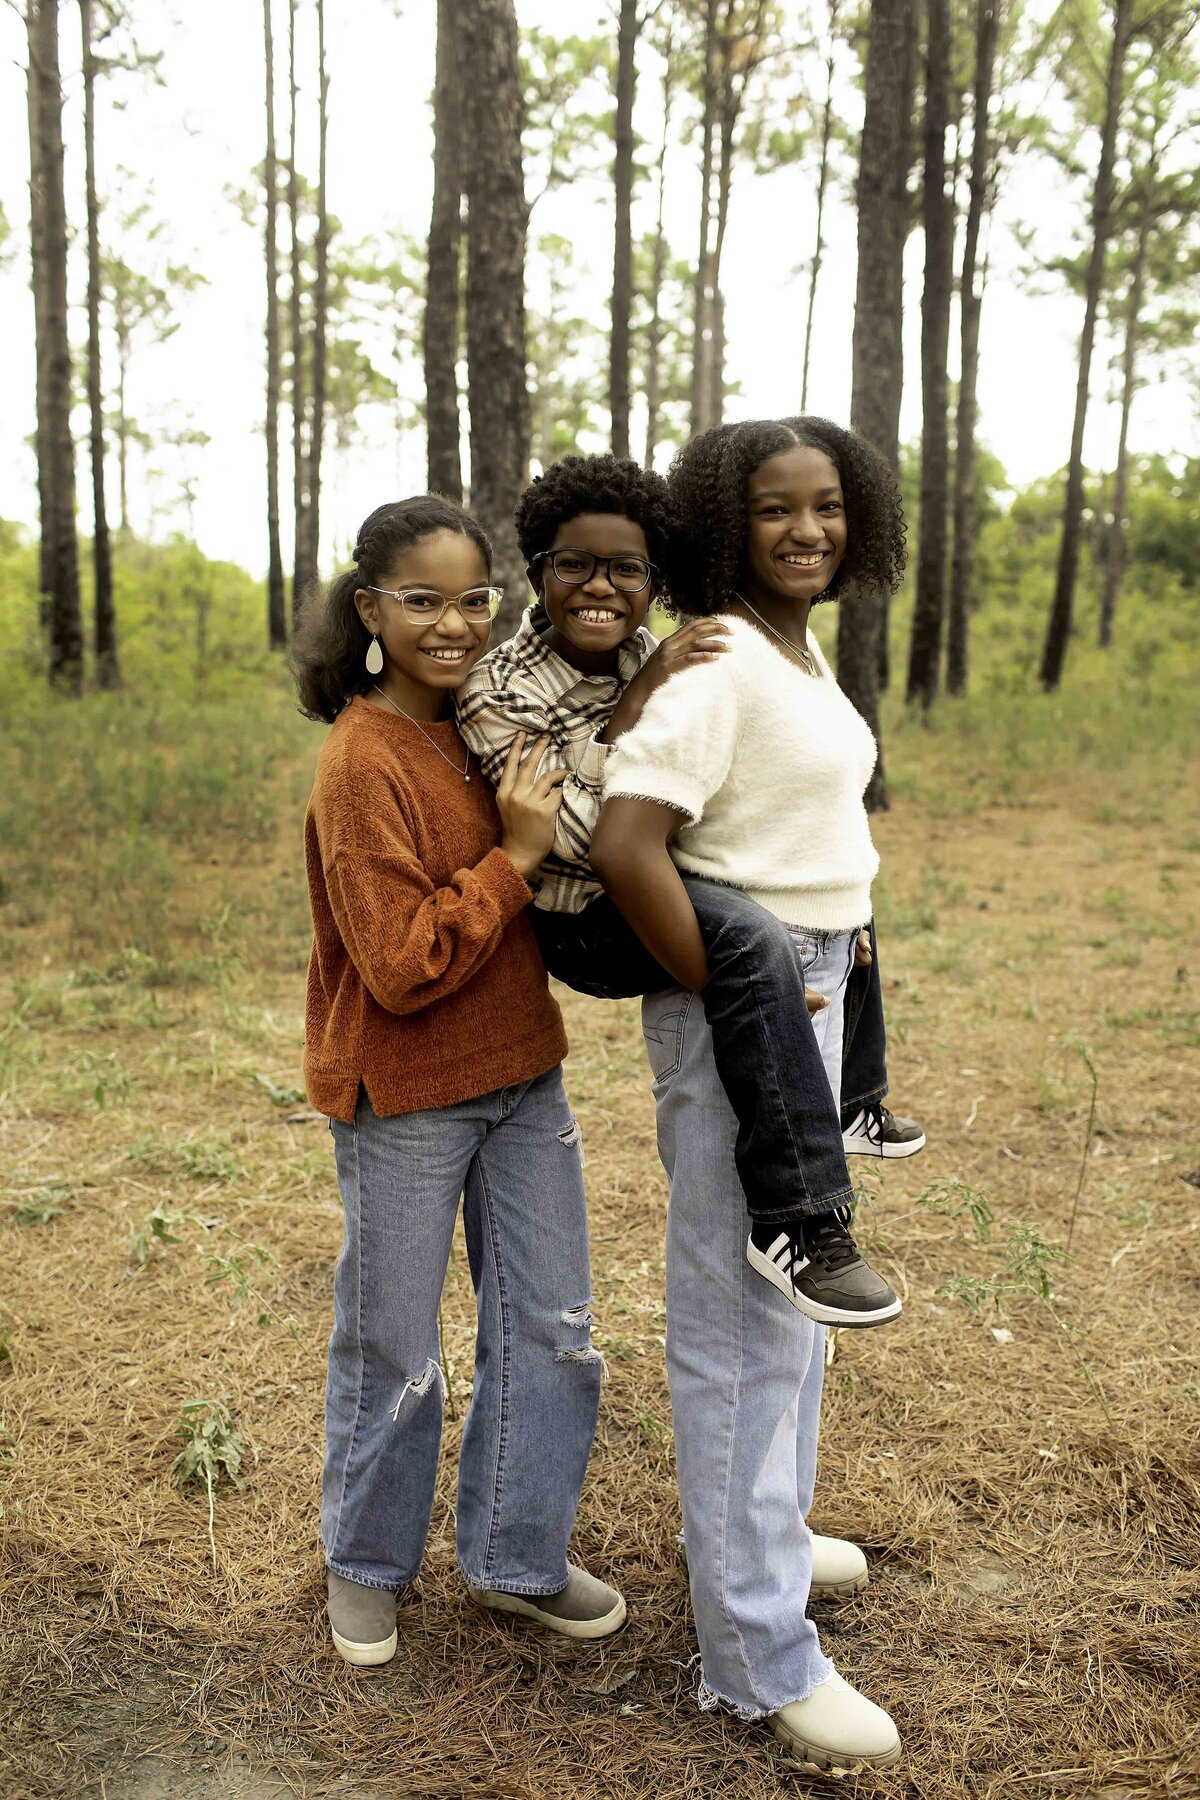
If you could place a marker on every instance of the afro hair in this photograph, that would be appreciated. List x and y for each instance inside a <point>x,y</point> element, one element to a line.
<point>595,484</point>
<point>707,484</point>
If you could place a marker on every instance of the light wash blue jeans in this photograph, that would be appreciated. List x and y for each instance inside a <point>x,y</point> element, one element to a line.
<point>745,1368</point>
<point>515,1158</point>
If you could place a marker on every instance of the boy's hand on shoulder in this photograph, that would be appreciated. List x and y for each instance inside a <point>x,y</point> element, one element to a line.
<point>699,641</point>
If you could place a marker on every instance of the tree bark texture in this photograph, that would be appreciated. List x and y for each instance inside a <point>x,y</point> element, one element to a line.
<point>442,291</point>
<point>1114,561</point>
<point>938,212</point>
<point>822,183</point>
<point>497,216</point>
<point>700,307</point>
<point>878,365</point>
<point>59,558</point>
<point>658,267</point>
<point>987,20</point>
<point>276,607</point>
<point>104,622</point>
<point>301,573</point>
<point>1058,628</point>
<point>320,320</point>
<point>622,287</point>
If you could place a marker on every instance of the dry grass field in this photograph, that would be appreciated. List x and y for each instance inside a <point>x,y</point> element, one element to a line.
<point>1018,1454</point>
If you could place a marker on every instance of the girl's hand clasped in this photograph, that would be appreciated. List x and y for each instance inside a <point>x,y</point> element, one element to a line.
<point>528,804</point>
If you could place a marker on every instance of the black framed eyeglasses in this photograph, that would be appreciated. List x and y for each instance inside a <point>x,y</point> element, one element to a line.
<point>574,568</point>
<point>425,606</point>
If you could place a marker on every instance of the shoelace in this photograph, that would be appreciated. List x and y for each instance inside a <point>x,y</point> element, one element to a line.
<point>827,1240</point>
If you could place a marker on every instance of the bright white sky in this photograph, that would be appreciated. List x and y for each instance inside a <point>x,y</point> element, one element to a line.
<point>201,132</point>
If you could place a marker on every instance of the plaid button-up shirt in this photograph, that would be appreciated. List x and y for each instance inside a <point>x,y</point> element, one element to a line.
<point>523,685</point>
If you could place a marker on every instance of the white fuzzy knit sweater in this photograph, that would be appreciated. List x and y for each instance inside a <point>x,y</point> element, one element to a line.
<point>770,766</point>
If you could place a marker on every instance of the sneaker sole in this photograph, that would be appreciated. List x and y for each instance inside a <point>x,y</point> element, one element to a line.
<point>857,1146</point>
<point>496,1601</point>
<point>832,1762</point>
<point>813,1309</point>
<point>365,1656</point>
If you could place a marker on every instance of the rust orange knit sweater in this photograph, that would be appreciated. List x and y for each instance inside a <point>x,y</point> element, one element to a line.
<point>425,983</point>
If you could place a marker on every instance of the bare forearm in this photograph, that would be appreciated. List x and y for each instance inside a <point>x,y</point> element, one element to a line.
<point>644,884</point>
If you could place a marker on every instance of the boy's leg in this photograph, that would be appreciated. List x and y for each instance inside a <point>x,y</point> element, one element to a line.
<point>864,1052</point>
<point>789,1151</point>
<point>868,1128</point>
<point>596,952</point>
<point>400,1180</point>
<point>537,1377</point>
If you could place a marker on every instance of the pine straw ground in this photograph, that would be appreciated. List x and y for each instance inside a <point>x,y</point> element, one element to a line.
<point>1030,1502</point>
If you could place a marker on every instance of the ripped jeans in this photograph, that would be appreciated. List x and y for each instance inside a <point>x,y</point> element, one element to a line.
<point>515,1158</point>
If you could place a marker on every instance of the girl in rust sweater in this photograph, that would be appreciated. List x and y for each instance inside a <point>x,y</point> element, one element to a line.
<point>432,1042</point>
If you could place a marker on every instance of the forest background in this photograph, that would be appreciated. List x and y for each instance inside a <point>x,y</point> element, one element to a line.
<point>496,235</point>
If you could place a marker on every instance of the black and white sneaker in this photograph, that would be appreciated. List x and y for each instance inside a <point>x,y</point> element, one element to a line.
<point>815,1263</point>
<point>874,1131</point>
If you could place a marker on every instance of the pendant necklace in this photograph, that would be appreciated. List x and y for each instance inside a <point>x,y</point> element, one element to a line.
<point>464,771</point>
<point>804,657</point>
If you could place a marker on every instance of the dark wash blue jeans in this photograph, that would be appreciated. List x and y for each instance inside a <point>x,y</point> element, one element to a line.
<point>789,1152</point>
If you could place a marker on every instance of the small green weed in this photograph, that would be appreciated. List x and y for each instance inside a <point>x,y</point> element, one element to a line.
<point>212,1448</point>
<point>157,1227</point>
<point>41,1206</point>
<point>280,1096</point>
<point>951,1198</point>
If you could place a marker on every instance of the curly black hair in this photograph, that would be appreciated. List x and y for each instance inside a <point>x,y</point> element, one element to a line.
<point>707,484</point>
<point>595,484</point>
<point>331,640</point>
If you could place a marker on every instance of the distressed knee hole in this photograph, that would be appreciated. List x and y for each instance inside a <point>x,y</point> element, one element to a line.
<point>572,1137</point>
<point>417,1386</point>
<point>580,1318</point>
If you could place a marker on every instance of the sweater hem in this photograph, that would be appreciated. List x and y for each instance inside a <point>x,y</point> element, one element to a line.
<point>334,1091</point>
<point>818,909</point>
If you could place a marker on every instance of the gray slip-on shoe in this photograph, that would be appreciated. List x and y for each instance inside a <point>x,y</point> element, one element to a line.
<point>362,1620</point>
<point>585,1608</point>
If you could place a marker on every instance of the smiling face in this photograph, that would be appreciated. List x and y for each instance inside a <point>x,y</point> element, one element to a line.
<point>424,661</point>
<point>591,621</point>
<point>795,527</point>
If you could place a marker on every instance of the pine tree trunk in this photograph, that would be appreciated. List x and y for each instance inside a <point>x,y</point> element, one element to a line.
<point>622,288</point>
<point>276,607</point>
<point>59,558</point>
<point>878,364</point>
<point>442,317</point>
<point>1058,629</point>
<point>1114,561</point>
<point>108,673</point>
<point>300,570</point>
<point>987,22</point>
<point>701,306</point>
<point>822,183</point>
<point>496,224</point>
<point>938,211</point>
<point>658,270</point>
<point>316,430</point>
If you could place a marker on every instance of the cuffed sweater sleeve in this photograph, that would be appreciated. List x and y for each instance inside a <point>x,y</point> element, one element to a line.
<point>413,943</point>
<point>681,749</point>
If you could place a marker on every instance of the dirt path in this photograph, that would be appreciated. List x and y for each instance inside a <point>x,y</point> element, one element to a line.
<point>1024,1475</point>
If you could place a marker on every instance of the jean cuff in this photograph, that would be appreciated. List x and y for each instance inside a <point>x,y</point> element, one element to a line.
<point>808,1208</point>
<point>368,1581</point>
<point>858,1101</point>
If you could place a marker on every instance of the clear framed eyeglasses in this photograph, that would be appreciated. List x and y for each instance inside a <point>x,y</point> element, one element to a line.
<point>425,606</point>
<point>574,568</point>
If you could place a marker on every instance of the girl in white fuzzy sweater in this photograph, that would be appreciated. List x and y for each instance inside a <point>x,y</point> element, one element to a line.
<point>751,769</point>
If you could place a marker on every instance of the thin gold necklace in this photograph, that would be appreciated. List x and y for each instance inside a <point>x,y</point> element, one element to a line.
<point>464,771</point>
<point>804,657</point>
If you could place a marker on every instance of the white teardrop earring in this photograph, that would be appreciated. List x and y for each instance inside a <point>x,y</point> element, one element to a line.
<point>374,657</point>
